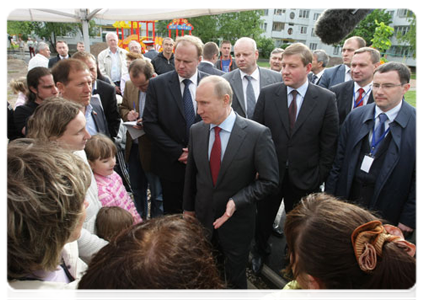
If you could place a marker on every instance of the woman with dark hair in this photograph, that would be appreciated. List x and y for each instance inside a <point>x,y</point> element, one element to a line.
<point>338,245</point>
<point>46,188</point>
<point>40,87</point>
<point>167,252</point>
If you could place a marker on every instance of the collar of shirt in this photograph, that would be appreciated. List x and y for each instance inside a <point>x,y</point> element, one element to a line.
<point>347,73</point>
<point>320,73</point>
<point>391,114</point>
<point>192,87</point>
<point>302,90</point>
<point>226,126</point>
<point>94,85</point>
<point>63,57</point>
<point>367,90</point>
<point>255,74</point>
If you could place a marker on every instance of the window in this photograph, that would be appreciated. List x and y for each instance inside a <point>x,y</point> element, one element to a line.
<point>304,13</point>
<point>313,46</point>
<point>279,12</point>
<point>316,16</point>
<point>336,50</point>
<point>401,29</point>
<point>405,12</point>
<point>278,26</point>
<point>303,29</point>
<point>265,12</point>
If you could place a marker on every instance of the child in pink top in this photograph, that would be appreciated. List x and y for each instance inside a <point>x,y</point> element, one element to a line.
<point>101,154</point>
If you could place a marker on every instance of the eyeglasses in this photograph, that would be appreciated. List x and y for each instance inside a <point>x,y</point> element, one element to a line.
<point>385,86</point>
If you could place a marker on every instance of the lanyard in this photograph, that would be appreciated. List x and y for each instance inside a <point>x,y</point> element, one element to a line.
<point>362,98</point>
<point>375,143</point>
<point>230,64</point>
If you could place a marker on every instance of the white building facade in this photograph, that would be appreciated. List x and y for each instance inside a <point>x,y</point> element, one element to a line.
<point>287,26</point>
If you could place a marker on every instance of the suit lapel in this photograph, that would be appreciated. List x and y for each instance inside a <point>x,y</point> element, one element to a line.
<point>174,89</point>
<point>282,105</point>
<point>236,82</point>
<point>233,147</point>
<point>203,149</point>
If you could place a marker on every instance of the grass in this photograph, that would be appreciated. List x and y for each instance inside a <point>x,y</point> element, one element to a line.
<point>410,98</point>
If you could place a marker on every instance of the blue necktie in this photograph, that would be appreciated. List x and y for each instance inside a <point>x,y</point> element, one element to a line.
<point>251,98</point>
<point>380,129</point>
<point>188,105</point>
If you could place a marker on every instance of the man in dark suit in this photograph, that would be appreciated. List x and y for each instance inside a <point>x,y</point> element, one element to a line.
<point>74,82</point>
<point>304,123</point>
<point>341,73</point>
<point>106,92</point>
<point>210,53</point>
<point>378,171</point>
<point>62,53</point>
<point>151,51</point>
<point>320,61</point>
<point>226,152</point>
<point>249,78</point>
<point>358,91</point>
<point>169,112</point>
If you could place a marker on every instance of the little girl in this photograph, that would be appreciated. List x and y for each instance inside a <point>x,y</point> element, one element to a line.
<point>20,88</point>
<point>101,154</point>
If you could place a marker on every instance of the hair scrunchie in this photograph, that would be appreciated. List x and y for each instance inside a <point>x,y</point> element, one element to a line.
<point>369,238</point>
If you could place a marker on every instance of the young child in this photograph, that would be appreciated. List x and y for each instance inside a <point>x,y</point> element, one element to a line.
<point>111,221</point>
<point>20,88</point>
<point>101,155</point>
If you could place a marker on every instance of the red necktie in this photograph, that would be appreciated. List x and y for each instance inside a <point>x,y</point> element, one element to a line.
<point>292,110</point>
<point>360,95</point>
<point>215,155</point>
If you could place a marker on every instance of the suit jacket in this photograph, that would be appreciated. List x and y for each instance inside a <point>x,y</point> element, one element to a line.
<point>99,117</point>
<point>52,61</point>
<point>344,97</point>
<point>165,125</point>
<point>333,76</point>
<point>131,99</point>
<point>209,69</point>
<point>267,77</point>
<point>310,77</point>
<point>395,189</point>
<point>310,149</point>
<point>107,95</point>
<point>151,53</point>
<point>250,150</point>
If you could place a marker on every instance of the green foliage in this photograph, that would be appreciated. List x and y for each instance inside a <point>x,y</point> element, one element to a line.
<point>20,28</point>
<point>367,27</point>
<point>265,46</point>
<point>381,37</point>
<point>410,37</point>
<point>228,26</point>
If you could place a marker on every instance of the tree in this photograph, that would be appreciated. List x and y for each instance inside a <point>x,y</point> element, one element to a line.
<point>410,36</point>
<point>20,28</point>
<point>265,46</point>
<point>228,26</point>
<point>381,37</point>
<point>367,27</point>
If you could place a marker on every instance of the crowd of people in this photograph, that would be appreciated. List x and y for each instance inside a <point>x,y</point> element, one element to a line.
<point>166,170</point>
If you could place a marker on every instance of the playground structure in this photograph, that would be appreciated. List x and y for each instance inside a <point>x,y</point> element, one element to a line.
<point>179,25</point>
<point>135,36</point>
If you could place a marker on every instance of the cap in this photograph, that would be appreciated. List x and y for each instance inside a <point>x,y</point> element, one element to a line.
<point>148,42</point>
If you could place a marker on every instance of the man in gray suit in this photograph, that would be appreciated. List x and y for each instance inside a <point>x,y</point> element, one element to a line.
<point>342,73</point>
<point>210,56</point>
<point>248,79</point>
<point>226,152</point>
